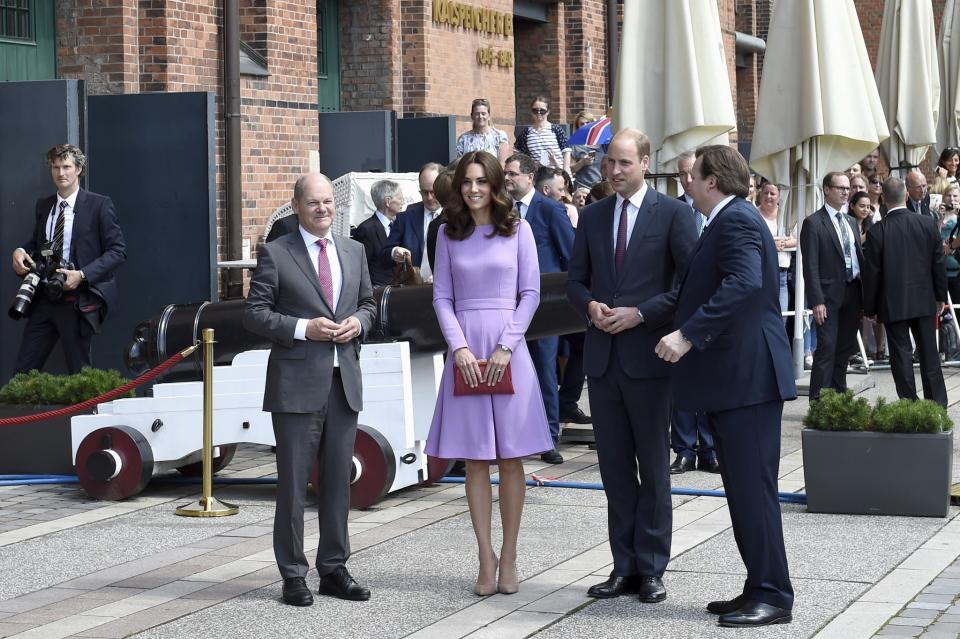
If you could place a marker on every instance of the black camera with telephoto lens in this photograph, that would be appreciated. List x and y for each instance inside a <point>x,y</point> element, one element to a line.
<point>43,274</point>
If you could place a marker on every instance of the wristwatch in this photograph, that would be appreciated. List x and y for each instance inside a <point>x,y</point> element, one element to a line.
<point>501,347</point>
<point>83,278</point>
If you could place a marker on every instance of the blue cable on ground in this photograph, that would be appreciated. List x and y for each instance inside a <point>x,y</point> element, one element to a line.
<point>32,480</point>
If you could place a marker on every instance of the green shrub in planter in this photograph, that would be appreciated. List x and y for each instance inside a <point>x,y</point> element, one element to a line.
<point>838,411</point>
<point>841,411</point>
<point>36,388</point>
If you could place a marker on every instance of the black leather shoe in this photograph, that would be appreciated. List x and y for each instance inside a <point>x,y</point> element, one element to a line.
<point>681,465</point>
<point>754,613</point>
<point>614,587</point>
<point>651,590</point>
<point>726,607</point>
<point>340,584</point>
<point>709,464</point>
<point>296,593</point>
<point>552,457</point>
<point>575,416</point>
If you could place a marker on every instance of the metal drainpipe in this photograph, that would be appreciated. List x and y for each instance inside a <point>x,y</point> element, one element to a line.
<point>231,116</point>
<point>613,49</point>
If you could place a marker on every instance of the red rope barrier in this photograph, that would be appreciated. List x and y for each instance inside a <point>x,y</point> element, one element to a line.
<point>106,397</point>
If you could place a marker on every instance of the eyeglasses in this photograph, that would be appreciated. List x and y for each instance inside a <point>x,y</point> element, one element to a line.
<point>839,188</point>
<point>425,193</point>
<point>540,111</point>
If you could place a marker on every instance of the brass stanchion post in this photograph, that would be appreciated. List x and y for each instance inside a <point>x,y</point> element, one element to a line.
<point>208,506</point>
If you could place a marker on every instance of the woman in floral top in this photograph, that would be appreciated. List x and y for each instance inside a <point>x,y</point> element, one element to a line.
<point>483,136</point>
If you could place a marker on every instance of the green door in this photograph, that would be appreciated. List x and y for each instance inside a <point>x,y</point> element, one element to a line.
<point>328,55</point>
<point>27,46</point>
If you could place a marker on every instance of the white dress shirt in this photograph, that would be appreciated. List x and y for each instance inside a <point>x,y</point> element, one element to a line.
<point>384,221</point>
<point>428,217</point>
<point>336,278</point>
<point>851,234</point>
<point>633,209</point>
<point>525,203</point>
<point>68,214</point>
<point>717,209</point>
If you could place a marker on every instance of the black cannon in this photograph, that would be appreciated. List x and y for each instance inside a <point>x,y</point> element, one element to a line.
<point>404,313</point>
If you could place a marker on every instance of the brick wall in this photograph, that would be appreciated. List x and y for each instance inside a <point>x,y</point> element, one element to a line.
<point>98,41</point>
<point>371,73</point>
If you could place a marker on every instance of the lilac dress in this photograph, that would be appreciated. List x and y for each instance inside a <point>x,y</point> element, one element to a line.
<point>475,287</point>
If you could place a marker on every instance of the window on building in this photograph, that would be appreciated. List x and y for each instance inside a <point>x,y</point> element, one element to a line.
<point>15,19</point>
<point>321,48</point>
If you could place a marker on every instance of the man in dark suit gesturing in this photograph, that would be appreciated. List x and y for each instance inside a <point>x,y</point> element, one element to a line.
<point>311,296</point>
<point>732,361</point>
<point>629,249</point>
<point>553,234</point>
<point>905,287</point>
<point>829,241</point>
<point>81,228</point>
<point>373,232</point>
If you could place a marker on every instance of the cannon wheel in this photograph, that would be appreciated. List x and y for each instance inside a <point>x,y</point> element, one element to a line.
<point>374,468</point>
<point>114,463</point>
<point>437,468</point>
<point>223,457</point>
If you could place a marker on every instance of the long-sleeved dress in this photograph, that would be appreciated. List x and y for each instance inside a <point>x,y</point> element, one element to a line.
<point>476,286</point>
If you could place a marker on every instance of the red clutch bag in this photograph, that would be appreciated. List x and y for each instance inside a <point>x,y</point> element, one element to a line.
<point>503,387</point>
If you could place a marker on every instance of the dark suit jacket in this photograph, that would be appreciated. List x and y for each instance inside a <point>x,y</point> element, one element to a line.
<point>97,247</point>
<point>432,232</point>
<point>904,275</point>
<point>373,236</point>
<point>283,226</point>
<point>924,207</point>
<point>824,267</point>
<point>408,233</point>
<point>727,305</point>
<point>284,289</point>
<point>552,231</point>
<point>663,236</point>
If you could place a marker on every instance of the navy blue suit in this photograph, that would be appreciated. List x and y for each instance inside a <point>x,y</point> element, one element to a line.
<point>553,234</point>
<point>97,248</point>
<point>739,373</point>
<point>629,385</point>
<point>407,232</point>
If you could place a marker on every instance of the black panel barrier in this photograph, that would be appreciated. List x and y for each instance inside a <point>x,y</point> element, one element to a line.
<point>36,116</point>
<point>357,141</point>
<point>422,140</point>
<point>154,154</point>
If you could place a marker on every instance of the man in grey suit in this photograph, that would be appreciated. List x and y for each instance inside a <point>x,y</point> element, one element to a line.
<point>311,296</point>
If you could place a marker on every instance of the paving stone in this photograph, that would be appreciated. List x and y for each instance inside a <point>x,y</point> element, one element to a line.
<point>949,619</point>
<point>919,613</point>
<point>930,598</point>
<point>899,631</point>
<point>928,606</point>
<point>945,627</point>
<point>909,621</point>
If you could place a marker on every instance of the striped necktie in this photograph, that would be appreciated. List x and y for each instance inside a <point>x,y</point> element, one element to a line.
<point>59,230</point>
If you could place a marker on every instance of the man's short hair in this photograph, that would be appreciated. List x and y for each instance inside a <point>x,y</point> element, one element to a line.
<point>829,177</point>
<point>544,174</point>
<point>436,166</point>
<point>382,190</point>
<point>527,163</point>
<point>65,151</point>
<point>686,155</point>
<point>640,139</point>
<point>894,190</point>
<point>298,185</point>
<point>727,166</point>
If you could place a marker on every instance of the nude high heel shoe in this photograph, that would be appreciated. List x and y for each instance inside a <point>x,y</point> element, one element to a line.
<point>508,582</point>
<point>484,587</point>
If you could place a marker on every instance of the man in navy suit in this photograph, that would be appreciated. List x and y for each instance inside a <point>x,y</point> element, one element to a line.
<point>82,228</point>
<point>629,250</point>
<point>373,232</point>
<point>731,360</point>
<point>553,233</point>
<point>409,234</point>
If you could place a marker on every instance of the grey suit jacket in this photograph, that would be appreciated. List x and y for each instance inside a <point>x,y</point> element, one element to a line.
<point>284,289</point>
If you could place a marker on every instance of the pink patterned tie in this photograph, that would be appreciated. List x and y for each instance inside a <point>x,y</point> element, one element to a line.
<point>621,248</point>
<point>323,271</point>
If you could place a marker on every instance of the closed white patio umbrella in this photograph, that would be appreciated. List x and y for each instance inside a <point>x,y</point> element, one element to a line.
<point>818,109</point>
<point>672,79</point>
<point>948,125</point>
<point>908,79</point>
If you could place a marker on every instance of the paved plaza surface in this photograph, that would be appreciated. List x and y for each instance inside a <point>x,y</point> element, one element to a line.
<point>74,567</point>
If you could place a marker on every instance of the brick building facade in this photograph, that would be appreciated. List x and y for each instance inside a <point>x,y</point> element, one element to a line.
<point>414,57</point>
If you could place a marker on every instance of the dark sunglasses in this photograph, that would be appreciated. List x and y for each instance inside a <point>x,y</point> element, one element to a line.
<point>540,111</point>
<point>876,182</point>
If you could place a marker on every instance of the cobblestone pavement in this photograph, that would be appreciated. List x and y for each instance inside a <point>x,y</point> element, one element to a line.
<point>74,567</point>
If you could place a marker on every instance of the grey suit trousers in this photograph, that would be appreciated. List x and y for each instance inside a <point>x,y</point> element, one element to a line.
<point>327,438</point>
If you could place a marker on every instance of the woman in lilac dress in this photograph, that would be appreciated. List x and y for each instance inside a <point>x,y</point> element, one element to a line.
<point>486,261</point>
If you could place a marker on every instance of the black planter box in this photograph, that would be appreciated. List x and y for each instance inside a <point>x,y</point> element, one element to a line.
<point>37,448</point>
<point>865,473</point>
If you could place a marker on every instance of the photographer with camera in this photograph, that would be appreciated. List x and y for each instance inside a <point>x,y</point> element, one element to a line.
<point>67,267</point>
